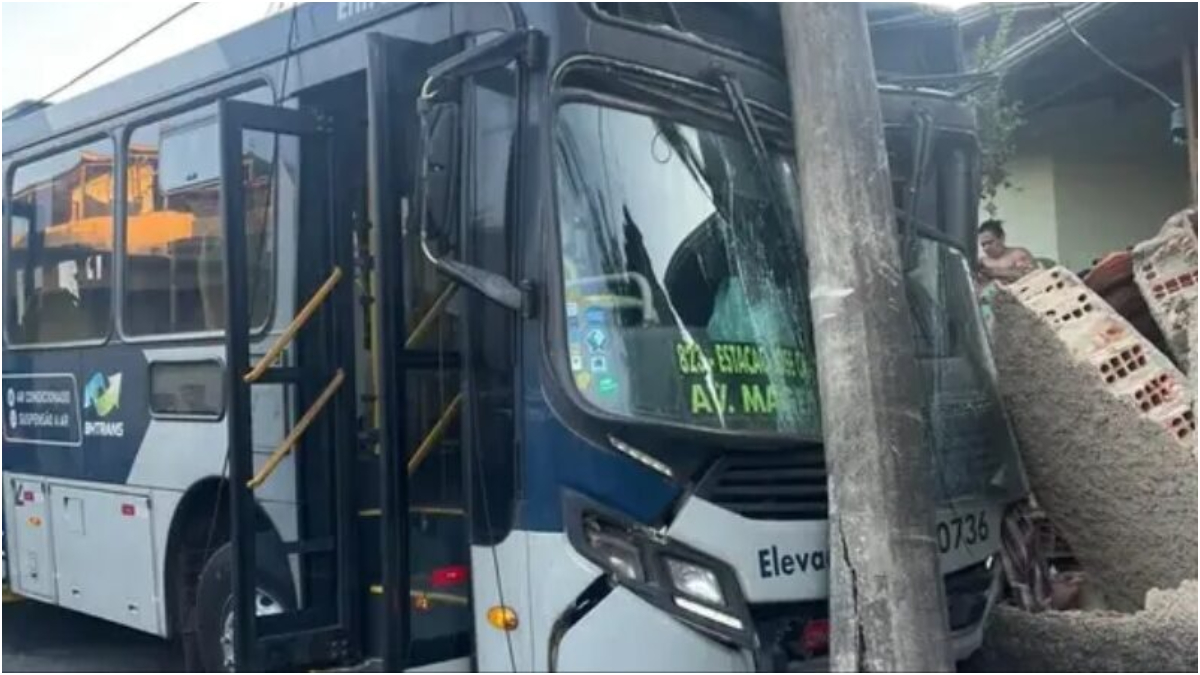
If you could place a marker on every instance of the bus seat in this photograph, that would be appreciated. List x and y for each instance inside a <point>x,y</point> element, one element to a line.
<point>54,315</point>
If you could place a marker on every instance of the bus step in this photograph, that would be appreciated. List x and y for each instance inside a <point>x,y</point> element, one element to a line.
<point>423,600</point>
<point>316,645</point>
<point>448,511</point>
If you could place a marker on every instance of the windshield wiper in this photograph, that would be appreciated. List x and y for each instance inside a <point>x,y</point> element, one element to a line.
<point>740,107</point>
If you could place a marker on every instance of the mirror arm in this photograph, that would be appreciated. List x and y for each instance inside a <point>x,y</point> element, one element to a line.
<point>493,286</point>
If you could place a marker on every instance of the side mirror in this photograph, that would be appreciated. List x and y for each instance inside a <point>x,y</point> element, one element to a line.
<point>438,207</point>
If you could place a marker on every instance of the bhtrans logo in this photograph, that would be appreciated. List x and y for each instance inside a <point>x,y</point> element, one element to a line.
<point>102,397</point>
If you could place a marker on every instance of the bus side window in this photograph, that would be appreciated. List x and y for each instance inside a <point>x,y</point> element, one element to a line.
<point>61,243</point>
<point>174,275</point>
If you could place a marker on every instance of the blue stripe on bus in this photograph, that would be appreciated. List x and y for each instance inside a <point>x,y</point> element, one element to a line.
<point>556,459</point>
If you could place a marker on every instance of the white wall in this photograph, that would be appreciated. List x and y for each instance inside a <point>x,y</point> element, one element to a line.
<point>1092,178</point>
<point>1110,206</point>
<point>1028,208</point>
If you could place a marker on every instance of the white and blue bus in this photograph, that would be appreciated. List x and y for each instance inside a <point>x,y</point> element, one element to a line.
<point>438,336</point>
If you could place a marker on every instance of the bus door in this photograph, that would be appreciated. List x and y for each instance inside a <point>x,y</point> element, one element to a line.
<point>312,362</point>
<point>426,565</point>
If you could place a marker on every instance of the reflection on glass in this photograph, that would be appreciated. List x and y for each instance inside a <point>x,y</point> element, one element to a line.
<point>61,247</point>
<point>685,294</point>
<point>173,236</point>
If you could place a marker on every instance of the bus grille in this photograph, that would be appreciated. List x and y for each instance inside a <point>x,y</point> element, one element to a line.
<point>767,486</point>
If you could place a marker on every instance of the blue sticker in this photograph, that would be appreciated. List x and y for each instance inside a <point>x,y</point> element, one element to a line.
<point>597,340</point>
<point>599,364</point>
<point>596,316</point>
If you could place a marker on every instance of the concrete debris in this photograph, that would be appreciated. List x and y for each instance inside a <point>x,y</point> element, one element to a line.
<point>1165,270</point>
<point>1106,432</point>
<point>1160,638</point>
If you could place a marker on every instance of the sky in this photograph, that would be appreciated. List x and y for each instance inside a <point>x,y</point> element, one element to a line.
<point>45,44</point>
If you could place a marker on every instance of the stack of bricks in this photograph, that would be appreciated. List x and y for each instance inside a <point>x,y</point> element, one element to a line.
<point>1165,270</point>
<point>1106,431</point>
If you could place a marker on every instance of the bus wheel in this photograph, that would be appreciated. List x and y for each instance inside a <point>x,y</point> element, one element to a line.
<point>214,608</point>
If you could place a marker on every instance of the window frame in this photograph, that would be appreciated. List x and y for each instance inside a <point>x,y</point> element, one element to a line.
<point>10,172</point>
<point>218,362</point>
<point>125,137</point>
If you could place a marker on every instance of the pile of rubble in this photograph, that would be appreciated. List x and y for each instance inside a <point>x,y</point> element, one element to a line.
<point>1106,426</point>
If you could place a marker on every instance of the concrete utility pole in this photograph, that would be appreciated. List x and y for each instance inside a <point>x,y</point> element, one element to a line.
<point>887,602</point>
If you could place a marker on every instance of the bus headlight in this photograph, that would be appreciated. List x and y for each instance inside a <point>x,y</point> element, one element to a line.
<point>616,553</point>
<point>691,585</point>
<point>695,580</point>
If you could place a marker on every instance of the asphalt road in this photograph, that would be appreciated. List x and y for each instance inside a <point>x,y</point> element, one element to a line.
<point>40,638</point>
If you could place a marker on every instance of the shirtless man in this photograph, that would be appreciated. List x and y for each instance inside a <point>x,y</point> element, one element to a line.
<point>998,262</point>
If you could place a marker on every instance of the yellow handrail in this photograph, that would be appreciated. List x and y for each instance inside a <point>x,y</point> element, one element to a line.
<point>448,598</point>
<point>430,316</point>
<point>294,327</point>
<point>435,434</point>
<point>288,443</point>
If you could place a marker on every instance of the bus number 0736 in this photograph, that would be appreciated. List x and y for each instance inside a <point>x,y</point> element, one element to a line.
<point>962,530</point>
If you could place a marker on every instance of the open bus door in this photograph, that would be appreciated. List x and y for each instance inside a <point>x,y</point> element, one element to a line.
<point>313,358</point>
<point>405,365</point>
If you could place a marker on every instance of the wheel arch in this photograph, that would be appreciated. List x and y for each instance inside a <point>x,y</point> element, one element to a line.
<point>199,526</point>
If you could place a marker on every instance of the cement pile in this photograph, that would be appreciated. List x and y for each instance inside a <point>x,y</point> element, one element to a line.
<point>1106,431</point>
<point>1165,271</point>
<point>1161,638</point>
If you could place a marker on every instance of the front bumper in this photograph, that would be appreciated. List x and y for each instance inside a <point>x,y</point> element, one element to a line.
<point>963,644</point>
<point>624,633</point>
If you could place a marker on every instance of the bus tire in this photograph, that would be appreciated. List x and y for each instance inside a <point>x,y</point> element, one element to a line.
<point>214,607</point>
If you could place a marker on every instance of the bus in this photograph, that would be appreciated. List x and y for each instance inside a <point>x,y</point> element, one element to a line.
<point>414,336</point>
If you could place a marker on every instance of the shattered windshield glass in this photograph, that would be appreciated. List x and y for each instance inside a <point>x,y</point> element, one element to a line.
<point>974,451</point>
<point>685,296</point>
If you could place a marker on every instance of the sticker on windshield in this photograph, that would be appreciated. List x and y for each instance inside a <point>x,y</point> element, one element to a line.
<point>599,364</point>
<point>572,310</point>
<point>596,316</point>
<point>597,340</point>
<point>582,379</point>
<point>607,386</point>
<point>576,362</point>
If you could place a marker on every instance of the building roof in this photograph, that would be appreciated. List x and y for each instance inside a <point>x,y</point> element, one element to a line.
<point>1047,65</point>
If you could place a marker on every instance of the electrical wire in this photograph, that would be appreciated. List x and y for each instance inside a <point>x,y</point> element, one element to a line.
<point>108,59</point>
<point>1113,64</point>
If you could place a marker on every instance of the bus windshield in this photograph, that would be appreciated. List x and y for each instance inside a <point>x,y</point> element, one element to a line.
<point>684,285</point>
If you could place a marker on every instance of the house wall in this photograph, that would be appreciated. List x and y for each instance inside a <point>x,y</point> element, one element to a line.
<point>1028,208</point>
<point>1093,177</point>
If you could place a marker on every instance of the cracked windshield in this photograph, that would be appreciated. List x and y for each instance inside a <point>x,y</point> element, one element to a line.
<point>684,288</point>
